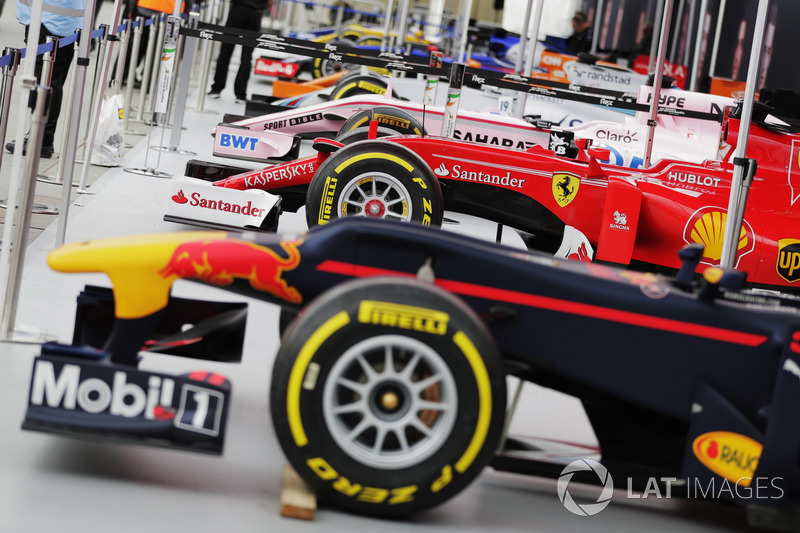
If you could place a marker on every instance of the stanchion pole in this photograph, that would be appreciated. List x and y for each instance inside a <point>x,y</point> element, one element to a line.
<point>131,78</point>
<point>98,102</point>
<point>101,53</point>
<point>161,99</point>
<point>162,20</point>
<point>182,91</point>
<point>48,61</point>
<point>148,62</point>
<point>5,93</point>
<point>28,82</point>
<point>19,237</point>
<point>69,147</point>
<point>457,71</point>
<point>205,64</point>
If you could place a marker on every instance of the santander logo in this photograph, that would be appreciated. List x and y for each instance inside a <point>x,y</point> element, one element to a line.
<point>180,198</point>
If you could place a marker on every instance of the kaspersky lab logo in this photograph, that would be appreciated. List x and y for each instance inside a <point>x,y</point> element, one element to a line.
<point>585,509</point>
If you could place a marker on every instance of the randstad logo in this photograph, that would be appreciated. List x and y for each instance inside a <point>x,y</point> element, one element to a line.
<point>585,509</point>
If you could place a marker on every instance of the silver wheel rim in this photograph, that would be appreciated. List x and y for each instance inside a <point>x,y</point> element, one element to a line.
<point>359,406</point>
<point>377,195</point>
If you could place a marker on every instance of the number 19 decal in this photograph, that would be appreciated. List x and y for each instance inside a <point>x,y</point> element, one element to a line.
<point>200,410</point>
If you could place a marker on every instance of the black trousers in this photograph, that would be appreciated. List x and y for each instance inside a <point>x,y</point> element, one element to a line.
<point>61,65</point>
<point>245,18</point>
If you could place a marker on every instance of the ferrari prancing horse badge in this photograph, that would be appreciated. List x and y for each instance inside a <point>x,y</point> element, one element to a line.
<point>565,188</point>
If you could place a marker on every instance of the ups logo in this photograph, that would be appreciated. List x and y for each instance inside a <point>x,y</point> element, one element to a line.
<point>788,263</point>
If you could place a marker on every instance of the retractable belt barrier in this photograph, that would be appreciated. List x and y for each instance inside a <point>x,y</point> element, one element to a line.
<point>411,65</point>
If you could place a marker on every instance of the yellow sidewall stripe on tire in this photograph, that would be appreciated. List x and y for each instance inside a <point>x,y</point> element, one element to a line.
<point>343,89</point>
<point>374,155</point>
<point>484,396</point>
<point>328,328</point>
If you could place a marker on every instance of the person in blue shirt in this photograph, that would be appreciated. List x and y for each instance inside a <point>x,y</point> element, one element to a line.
<point>60,18</point>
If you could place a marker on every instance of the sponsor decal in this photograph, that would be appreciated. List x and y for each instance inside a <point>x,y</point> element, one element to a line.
<point>459,173</point>
<point>403,317</point>
<point>283,172</point>
<point>275,124</point>
<point>239,142</point>
<point>371,87</point>
<point>795,344</point>
<point>707,226</point>
<point>565,188</point>
<point>486,138</point>
<point>560,142</point>
<point>788,262</point>
<point>794,172</point>
<point>693,179</point>
<point>228,207</point>
<point>305,119</point>
<point>363,493</point>
<point>391,120</point>
<point>327,200</point>
<point>221,261</point>
<point>620,222</point>
<point>626,137</point>
<point>668,100</point>
<point>729,455</point>
<point>582,77</point>
<point>269,67</point>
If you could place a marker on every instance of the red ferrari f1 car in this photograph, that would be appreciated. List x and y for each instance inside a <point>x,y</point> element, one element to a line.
<point>638,217</point>
<point>388,391</point>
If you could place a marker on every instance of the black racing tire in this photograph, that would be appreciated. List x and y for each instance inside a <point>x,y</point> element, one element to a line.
<point>323,67</point>
<point>387,116</point>
<point>359,84</point>
<point>330,376</point>
<point>374,178</point>
<point>362,133</point>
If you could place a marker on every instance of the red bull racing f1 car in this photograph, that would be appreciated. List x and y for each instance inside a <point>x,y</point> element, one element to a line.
<point>388,391</point>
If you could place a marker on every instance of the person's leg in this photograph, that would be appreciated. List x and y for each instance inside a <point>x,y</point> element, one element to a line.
<point>252,23</point>
<point>224,57</point>
<point>61,68</point>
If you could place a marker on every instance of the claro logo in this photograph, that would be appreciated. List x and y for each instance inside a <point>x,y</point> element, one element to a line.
<point>93,395</point>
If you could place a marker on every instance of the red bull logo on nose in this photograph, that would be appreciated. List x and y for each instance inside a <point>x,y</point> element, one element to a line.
<point>219,262</point>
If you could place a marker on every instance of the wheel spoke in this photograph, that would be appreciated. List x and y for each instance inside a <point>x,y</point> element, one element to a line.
<point>425,405</point>
<point>352,385</point>
<point>401,438</point>
<point>379,439</point>
<point>368,370</point>
<point>355,407</point>
<point>392,202</point>
<point>360,428</point>
<point>420,386</point>
<point>410,366</point>
<point>389,214</point>
<point>388,364</point>
<point>418,424</point>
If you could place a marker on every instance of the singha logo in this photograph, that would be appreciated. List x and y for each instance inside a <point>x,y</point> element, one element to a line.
<point>620,218</point>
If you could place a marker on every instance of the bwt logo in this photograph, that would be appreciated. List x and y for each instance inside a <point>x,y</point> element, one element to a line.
<point>237,141</point>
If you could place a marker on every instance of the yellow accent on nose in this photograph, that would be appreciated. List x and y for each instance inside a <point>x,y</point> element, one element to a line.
<point>134,265</point>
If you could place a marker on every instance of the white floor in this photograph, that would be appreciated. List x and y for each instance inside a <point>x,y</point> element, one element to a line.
<point>50,483</point>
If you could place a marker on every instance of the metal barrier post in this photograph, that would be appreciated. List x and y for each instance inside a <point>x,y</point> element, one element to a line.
<point>131,79</point>
<point>69,147</point>
<point>161,100</point>
<point>457,71</point>
<point>5,93</point>
<point>162,21</point>
<point>182,91</point>
<point>20,230</point>
<point>98,102</point>
<point>148,62</point>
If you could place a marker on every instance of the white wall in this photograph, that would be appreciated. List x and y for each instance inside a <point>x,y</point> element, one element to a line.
<point>556,16</point>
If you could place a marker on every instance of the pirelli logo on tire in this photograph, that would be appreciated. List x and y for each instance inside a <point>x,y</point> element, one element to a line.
<point>403,317</point>
<point>393,121</point>
<point>326,206</point>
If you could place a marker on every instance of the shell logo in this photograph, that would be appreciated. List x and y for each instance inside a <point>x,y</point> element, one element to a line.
<point>706,226</point>
<point>729,455</point>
